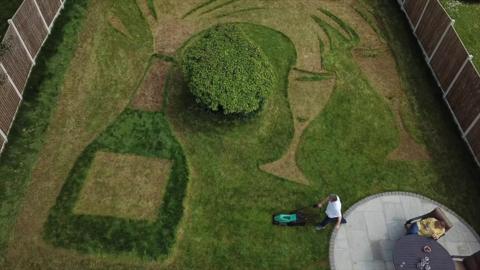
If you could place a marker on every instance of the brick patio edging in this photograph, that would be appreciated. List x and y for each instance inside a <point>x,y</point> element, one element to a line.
<point>383,194</point>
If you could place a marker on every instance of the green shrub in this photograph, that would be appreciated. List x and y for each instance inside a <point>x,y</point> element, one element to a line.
<point>226,71</point>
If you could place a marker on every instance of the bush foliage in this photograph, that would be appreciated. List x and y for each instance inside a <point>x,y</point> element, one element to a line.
<point>226,71</point>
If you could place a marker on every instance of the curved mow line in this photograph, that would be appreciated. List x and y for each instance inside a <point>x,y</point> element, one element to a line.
<point>208,2</point>
<point>347,28</point>
<point>404,193</point>
<point>323,25</point>
<point>218,7</point>
<point>239,11</point>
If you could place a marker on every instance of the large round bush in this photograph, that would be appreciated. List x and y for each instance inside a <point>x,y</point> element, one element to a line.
<point>226,71</point>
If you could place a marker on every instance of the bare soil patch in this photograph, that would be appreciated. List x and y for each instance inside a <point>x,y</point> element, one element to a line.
<point>118,25</point>
<point>125,186</point>
<point>171,33</point>
<point>149,96</point>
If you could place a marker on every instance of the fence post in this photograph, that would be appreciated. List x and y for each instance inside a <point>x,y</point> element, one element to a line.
<point>41,16</point>
<point>421,16</point>
<point>11,81</point>
<point>452,22</point>
<point>469,58</point>
<point>475,121</point>
<point>2,134</point>
<point>21,40</point>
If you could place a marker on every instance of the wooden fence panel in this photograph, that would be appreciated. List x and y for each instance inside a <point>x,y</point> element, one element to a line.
<point>49,9</point>
<point>16,61</point>
<point>23,40</point>
<point>474,139</point>
<point>432,26</point>
<point>464,97</point>
<point>414,9</point>
<point>31,26</point>
<point>9,101</point>
<point>448,59</point>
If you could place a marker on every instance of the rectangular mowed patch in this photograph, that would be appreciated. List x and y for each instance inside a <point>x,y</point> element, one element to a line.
<point>124,186</point>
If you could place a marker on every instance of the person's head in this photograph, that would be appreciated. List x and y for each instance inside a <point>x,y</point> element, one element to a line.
<point>439,224</point>
<point>332,197</point>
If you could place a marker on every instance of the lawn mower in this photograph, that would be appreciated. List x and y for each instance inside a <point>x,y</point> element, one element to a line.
<point>292,218</point>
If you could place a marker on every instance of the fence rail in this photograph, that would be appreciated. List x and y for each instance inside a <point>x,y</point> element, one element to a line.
<point>451,65</point>
<point>27,32</point>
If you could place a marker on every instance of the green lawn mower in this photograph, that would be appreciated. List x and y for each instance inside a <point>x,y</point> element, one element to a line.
<point>292,218</point>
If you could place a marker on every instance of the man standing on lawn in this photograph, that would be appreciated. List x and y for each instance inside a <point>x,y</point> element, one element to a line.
<point>333,212</point>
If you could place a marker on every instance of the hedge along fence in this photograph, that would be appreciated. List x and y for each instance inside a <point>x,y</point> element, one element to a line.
<point>451,65</point>
<point>28,30</point>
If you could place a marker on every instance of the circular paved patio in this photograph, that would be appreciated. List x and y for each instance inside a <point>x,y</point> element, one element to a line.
<point>376,222</point>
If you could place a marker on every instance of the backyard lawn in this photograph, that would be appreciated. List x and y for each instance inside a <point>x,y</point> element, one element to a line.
<point>112,164</point>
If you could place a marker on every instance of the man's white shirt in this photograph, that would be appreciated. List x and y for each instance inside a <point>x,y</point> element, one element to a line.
<point>334,209</point>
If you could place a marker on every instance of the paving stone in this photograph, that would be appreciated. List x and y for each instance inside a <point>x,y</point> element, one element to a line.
<point>374,265</point>
<point>395,230</point>
<point>460,249</point>
<point>372,205</point>
<point>356,221</point>
<point>376,225</point>
<point>455,234</point>
<point>382,251</point>
<point>452,217</point>
<point>341,244</point>
<point>342,259</point>
<point>360,249</point>
<point>342,233</point>
<point>390,198</point>
<point>412,206</point>
<point>387,249</point>
<point>474,247</point>
<point>389,265</point>
<point>428,206</point>
<point>394,212</point>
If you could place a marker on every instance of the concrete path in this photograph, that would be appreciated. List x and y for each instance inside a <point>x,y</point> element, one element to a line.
<point>376,222</point>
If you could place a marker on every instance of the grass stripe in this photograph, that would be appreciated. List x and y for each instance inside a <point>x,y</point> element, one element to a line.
<point>239,11</point>
<point>218,7</point>
<point>198,7</point>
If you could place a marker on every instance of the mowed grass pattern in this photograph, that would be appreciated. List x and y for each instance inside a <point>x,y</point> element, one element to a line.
<point>138,133</point>
<point>229,201</point>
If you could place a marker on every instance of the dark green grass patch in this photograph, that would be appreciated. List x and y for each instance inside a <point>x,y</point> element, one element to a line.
<point>140,133</point>
<point>151,7</point>
<point>39,100</point>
